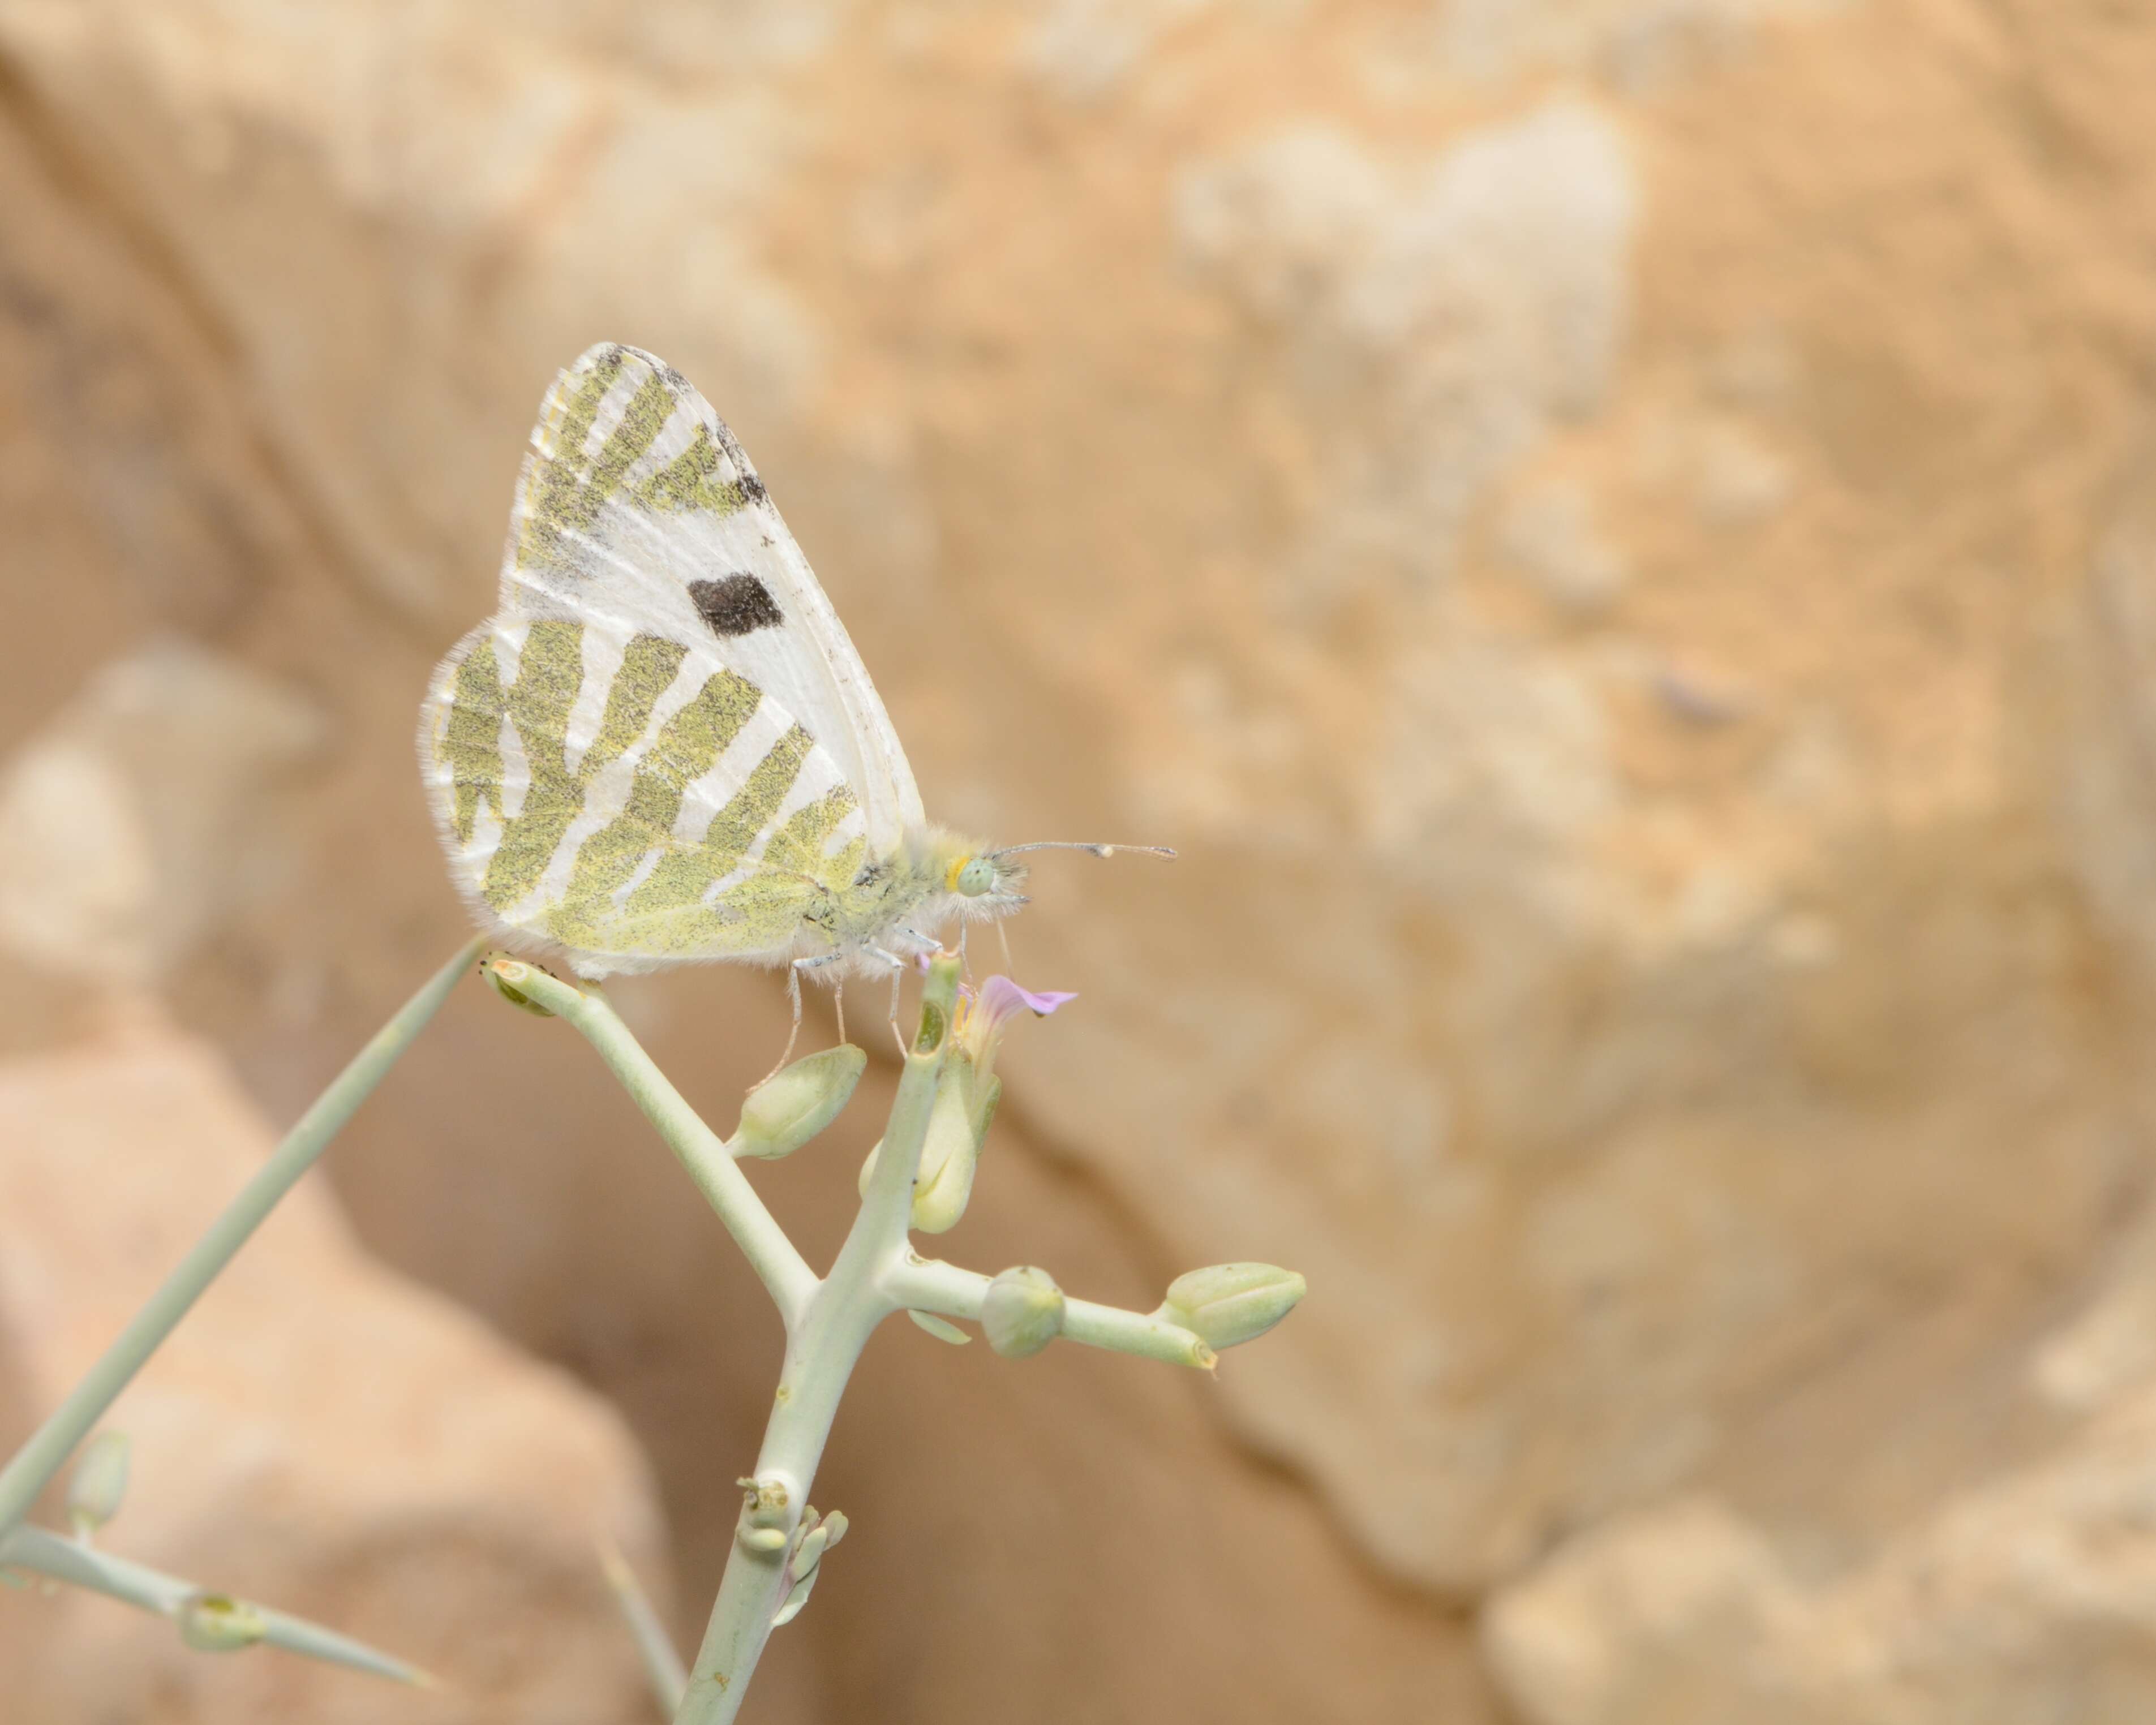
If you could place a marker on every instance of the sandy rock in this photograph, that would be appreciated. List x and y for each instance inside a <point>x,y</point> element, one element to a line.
<point>2028,1597</point>
<point>1642,44</point>
<point>319,1434</point>
<point>1471,300</point>
<point>140,817</point>
<point>1621,1626</point>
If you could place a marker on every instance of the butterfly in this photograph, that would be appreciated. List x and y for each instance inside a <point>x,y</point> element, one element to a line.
<point>662,748</point>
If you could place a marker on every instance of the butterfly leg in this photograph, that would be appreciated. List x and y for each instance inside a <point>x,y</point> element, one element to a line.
<point>793,994</point>
<point>897,973</point>
<point>839,1005</point>
<point>931,944</point>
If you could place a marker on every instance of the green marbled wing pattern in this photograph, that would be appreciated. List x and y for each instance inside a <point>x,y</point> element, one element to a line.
<point>633,800</point>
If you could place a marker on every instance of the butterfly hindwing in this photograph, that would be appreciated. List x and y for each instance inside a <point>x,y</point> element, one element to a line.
<point>630,798</point>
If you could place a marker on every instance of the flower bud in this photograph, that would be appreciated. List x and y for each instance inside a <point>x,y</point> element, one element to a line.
<point>1022,1311</point>
<point>99,1482</point>
<point>218,1623</point>
<point>1227,1304</point>
<point>958,1126</point>
<point>791,1106</point>
<point>762,1526</point>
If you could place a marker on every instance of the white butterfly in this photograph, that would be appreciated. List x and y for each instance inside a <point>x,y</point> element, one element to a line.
<point>663,748</point>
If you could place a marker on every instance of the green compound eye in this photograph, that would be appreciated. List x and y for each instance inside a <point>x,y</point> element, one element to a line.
<point>977,877</point>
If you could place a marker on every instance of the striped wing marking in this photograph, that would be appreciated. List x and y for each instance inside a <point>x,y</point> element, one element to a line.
<point>634,494</point>
<point>632,799</point>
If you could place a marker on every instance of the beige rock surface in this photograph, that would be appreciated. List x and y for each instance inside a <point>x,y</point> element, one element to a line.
<point>2029,1597</point>
<point>319,1434</point>
<point>1612,534</point>
<point>131,825</point>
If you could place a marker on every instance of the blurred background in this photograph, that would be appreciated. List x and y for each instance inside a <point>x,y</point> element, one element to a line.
<point>1617,537</point>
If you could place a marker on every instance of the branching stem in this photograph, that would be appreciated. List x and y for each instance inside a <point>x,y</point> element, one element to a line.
<point>828,1320</point>
<point>929,1284</point>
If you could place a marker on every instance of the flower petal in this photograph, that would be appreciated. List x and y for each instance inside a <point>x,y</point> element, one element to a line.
<point>1000,997</point>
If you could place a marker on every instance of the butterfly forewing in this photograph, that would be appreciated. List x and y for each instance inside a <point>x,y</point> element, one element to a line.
<point>637,504</point>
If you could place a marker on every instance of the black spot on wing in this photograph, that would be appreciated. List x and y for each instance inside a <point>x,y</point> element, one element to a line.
<point>736,605</point>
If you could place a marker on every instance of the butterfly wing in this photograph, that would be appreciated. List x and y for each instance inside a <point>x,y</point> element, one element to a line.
<point>663,748</point>
<point>630,798</point>
<point>636,504</point>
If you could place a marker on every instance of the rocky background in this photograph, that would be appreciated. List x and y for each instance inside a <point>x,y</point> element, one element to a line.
<point>1618,538</point>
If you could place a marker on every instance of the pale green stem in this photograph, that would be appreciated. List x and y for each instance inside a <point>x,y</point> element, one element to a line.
<point>44,1553</point>
<point>782,1270</point>
<point>820,1353</point>
<point>662,1664</point>
<point>50,1445</point>
<point>930,1284</point>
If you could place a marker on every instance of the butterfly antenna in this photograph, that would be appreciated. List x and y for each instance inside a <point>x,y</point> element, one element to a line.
<point>1090,850</point>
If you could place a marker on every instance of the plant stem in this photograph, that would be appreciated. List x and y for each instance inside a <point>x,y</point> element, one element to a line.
<point>929,1284</point>
<point>820,1353</point>
<point>782,1269</point>
<point>662,1664</point>
<point>50,1445</point>
<point>44,1553</point>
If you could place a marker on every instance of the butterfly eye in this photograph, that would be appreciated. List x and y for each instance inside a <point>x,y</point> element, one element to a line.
<point>977,877</point>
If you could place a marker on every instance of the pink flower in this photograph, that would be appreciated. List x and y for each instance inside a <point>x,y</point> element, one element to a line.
<point>1000,997</point>
<point>983,1014</point>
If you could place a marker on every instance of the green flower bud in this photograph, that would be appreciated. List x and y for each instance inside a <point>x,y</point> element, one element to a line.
<point>958,1119</point>
<point>1022,1311</point>
<point>764,1516</point>
<point>98,1484</point>
<point>951,1152</point>
<point>791,1106</point>
<point>218,1623</point>
<point>1227,1304</point>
